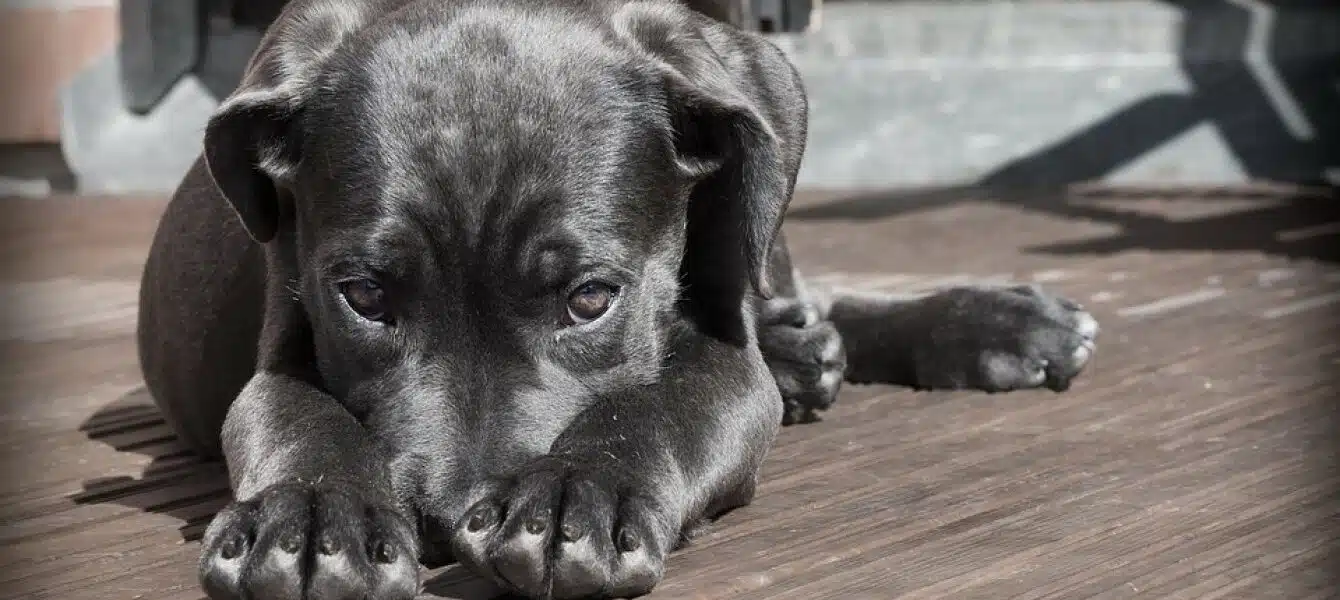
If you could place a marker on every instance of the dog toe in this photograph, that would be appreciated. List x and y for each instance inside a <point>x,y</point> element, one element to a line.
<point>276,567</point>
<point>293,540</point>
<point>581,569</point>
<point>229,542</point>
<point>584,555</point>
<point>808,365</point>
<point>562,531</point>
<point>788,312</point>
<point>1003,372</point>
<point>520,562</point>
<point>475,530</point>
<point>1086,325</point>
<point>640,561</point>
<point>510,543</point>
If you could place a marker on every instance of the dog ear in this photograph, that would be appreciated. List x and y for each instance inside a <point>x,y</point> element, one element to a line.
<point>736,207</point>
<point>724,139</point>
<point>251,150</point>
<point>252,143</point>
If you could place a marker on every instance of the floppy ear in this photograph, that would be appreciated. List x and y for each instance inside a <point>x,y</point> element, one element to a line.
<point>252,146</point>
<point>736,207</point>
<point>250,151</point>
<point>724,139</point>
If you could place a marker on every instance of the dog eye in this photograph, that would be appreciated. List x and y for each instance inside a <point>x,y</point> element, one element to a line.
<point>589,302</point>
<point>366,297</point>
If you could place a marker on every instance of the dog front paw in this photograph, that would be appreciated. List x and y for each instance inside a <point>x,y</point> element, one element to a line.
<point>805,355</point>
<point>297,541</point>
<point>999,339</point>
<point>563,529</point>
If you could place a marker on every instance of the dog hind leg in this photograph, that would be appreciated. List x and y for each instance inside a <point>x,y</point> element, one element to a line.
<point>201,304</point>
<point>988,338</point>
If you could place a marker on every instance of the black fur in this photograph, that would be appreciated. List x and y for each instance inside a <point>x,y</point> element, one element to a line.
<point>479,159</point>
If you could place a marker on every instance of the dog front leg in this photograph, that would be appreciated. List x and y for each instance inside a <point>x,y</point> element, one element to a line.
<point>598,514</point>
<point>314,515</point>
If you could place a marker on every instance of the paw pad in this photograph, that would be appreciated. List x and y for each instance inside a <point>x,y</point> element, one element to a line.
<point>232,547</point>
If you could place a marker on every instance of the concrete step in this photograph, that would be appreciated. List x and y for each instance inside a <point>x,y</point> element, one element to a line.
<point>1048,92</point>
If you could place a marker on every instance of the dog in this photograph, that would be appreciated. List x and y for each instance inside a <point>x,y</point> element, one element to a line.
<point>502,282</point>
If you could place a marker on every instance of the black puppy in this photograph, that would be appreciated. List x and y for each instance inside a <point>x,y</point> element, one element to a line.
<point>500,281</point>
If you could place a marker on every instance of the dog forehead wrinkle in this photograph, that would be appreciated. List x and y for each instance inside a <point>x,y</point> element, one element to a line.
<point>489,58</point>
<point>437,107</point>
<point>383,238</point>
<point>525,225</point>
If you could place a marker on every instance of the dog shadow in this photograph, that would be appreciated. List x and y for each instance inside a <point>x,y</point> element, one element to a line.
<point>177,482</point>
<point>180,484</point>
<point>1297,223</point>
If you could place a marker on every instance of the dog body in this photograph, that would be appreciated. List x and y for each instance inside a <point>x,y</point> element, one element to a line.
<point>501,281</point>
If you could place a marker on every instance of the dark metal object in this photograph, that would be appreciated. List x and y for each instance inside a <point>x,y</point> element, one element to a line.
<point>164,40</point>
<point>735,12</point>
<point>780,16</point>
<point>160,43</point>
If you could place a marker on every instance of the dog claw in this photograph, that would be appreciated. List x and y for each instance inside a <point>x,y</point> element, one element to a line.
<point>385,553</point>
<point>483,517</point>
<point>628,541</point>
<point>232,548</point>
<point>572,533</point>
<point>328,545</point>
<point>537,524</point>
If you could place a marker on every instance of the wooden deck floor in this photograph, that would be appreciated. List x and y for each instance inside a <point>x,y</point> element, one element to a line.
<point>1195,460</point>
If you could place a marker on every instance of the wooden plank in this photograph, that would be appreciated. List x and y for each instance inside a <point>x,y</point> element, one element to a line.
<point>1192,461</point>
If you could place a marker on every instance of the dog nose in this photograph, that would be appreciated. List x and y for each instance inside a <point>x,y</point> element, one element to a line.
<point>435,541</point>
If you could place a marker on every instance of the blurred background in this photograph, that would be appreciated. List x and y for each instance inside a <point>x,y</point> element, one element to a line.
<point>110,96</point>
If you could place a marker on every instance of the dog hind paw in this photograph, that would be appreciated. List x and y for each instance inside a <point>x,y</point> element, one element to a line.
<point>806,356</point>
<point>1004,339</point>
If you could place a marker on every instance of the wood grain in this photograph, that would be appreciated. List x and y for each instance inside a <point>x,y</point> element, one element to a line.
<point>1196,459</point>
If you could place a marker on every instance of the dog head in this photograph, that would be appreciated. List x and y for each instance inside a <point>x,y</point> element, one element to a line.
<point>488,218</point>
